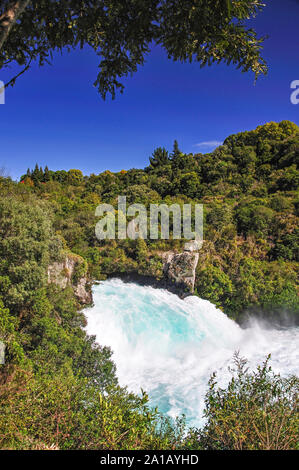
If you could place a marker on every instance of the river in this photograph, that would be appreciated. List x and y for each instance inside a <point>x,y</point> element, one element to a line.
<point>170,347</point>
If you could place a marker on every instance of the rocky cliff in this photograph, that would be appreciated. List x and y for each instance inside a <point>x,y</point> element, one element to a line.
<point>71,271</point>
<point>180,267</point>
<point>178,273</point>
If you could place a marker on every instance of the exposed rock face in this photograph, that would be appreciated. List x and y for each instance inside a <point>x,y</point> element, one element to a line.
<point>82,292</point>
<point>191,246</point>
<point>180,268</point>
<point>71,271</point>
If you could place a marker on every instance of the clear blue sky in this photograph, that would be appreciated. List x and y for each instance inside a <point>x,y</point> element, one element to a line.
<point>54,116</point>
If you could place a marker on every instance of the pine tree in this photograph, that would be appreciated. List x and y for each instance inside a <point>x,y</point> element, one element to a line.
<point>46,174</point>
<point>176,152</point>
<point>160,157</point>
<point>176,159</point>
<point>35,174</point>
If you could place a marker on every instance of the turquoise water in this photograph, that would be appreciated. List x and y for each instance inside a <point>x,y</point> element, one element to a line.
<point>170,347</point>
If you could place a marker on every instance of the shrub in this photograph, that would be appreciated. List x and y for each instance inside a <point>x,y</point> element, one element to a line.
<point>257,411</point>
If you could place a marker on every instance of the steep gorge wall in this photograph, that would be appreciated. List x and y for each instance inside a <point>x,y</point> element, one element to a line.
<point>71,271</point>
<point>178,273</point>
<point>180,268</point>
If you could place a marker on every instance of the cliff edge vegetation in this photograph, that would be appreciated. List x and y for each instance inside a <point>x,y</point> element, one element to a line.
<point>58,388</point>
<point>249,189</point>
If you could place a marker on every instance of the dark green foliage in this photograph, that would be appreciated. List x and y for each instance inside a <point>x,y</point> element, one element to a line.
<point>214,285</point>
<point>188,184</point>
<point>258,410</point>
<point>25,241</point>
<point>205,32</point>
<point>58,388</point>
<point>254,218</point>
<point>287,247</point>
<point>160,157</point>
<point>247,186</point>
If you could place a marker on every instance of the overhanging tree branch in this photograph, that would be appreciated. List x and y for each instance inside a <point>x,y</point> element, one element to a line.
<point>207,32</point>
<point>9,17</point>
<point>13,80</point>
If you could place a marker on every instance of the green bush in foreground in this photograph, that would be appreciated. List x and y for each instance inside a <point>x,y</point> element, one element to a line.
<point>257,411</point>
<point>39,412</point>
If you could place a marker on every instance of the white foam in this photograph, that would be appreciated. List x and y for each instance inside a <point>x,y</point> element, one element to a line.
<point>170,347</point>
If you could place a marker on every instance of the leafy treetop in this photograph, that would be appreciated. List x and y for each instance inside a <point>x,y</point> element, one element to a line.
<point>122,32</point>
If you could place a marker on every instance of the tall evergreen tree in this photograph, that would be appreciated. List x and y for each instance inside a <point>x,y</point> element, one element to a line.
<point>160,157</point>
<point>35,174</point>
<point>46,174</point>
<point>176,152</point>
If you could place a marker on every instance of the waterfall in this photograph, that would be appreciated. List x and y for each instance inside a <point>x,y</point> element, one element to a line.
<point>170,347</point>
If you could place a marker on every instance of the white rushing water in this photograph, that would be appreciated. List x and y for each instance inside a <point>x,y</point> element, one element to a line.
<point>170,347</point>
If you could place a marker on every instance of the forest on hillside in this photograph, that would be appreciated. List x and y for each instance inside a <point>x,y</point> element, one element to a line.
<point>249,189</point>
<point>58,388</point>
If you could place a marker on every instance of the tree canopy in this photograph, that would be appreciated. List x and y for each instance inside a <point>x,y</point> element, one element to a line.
<point>122,33</point>
<point>58,388</point>
<point>248,187</point>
